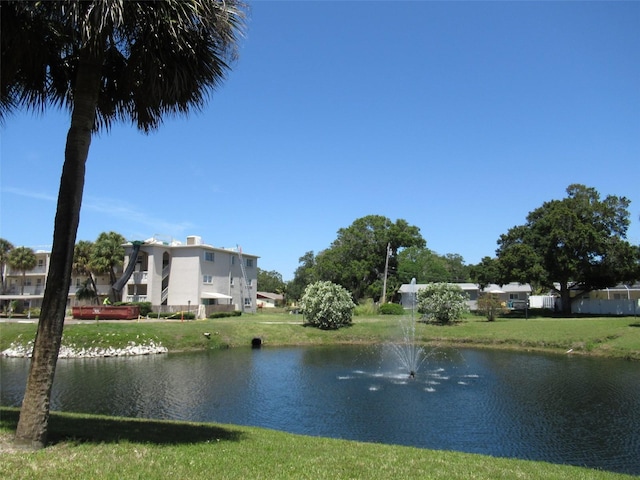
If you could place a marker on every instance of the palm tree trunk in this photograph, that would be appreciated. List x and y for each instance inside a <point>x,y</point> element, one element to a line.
<point>95,289</point>
<point>32,427</point>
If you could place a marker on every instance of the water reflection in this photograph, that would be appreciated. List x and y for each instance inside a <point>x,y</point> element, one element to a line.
<point>554,408</point>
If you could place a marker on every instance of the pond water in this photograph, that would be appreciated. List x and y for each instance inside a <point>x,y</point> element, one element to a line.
<point>560,409</point>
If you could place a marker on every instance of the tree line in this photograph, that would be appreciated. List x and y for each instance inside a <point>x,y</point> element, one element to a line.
<point>566,247</point>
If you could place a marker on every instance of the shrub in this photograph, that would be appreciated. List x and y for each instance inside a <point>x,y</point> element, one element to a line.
<point>491,306</point>
<point>235,313</point>
<point>327,305</point>
<point>366,308</point>
<point>391,309</point>
<point>176,315</point>
<point>145,307</point>
<point>442,302</point>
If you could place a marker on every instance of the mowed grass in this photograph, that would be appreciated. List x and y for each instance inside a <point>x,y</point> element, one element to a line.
<point>96,447</point>
<point>617,337</point>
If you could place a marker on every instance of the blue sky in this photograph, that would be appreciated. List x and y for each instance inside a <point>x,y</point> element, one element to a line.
<point>459,117</point>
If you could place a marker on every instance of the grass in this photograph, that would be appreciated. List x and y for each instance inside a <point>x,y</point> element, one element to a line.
<point>97,447</point>
<point>616,337</point>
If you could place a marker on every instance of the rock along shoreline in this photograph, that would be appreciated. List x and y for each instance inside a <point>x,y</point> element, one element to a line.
<point>133,349</point>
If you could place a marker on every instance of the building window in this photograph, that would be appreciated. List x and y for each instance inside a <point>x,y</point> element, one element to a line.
<point>249,262</point>
<point>40,263</point>
<point>233,260</point>
<point>208,256</point>
<point>247,301</point>
<point>207,279</point>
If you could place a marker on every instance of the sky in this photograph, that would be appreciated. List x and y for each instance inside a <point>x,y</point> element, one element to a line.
<point>458,117</point>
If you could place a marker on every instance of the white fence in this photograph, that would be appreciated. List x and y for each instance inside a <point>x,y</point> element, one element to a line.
<point>542,301</point>
<point>606,307</point>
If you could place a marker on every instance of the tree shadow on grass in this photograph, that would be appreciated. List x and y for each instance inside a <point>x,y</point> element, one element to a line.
<point>102,429</point>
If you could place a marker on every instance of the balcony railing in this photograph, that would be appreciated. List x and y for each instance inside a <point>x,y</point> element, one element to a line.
<point>136,298</point>
<point>139,278</point>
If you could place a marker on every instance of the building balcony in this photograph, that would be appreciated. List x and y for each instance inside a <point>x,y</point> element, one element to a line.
<point>139,278</point>
<point>136,298</point>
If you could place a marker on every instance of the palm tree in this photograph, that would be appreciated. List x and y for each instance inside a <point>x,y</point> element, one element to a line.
<point>107,256</point>
<point>22,259</point>
<point>82,253</point>
<point>5,248</point>
<point>105,61</point>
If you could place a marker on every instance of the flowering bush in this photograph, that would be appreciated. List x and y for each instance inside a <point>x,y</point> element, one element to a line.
<point>442,302</point>
<point>327,305</point>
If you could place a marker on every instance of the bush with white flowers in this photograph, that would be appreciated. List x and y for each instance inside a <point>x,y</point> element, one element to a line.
<point>327,305</point>
<point>442,302</point>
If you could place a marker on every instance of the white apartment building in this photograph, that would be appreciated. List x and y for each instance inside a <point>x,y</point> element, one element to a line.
<point>33,282</point>
<point>194,275</point>
<point>170,274</point>
<point>30,286</point>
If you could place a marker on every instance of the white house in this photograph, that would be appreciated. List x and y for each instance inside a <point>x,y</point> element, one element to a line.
<point>513,294</point>
<point>270,299</point>
<point>192,275</point>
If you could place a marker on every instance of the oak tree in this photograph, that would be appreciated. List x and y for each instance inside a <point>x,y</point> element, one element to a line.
<point>575,244</point>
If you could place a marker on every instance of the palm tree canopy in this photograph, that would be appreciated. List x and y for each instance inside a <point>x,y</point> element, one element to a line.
<point>82,257</point>
<point>5,248</point>
<point>22,258</point>
<point>158,57</point>
<point>107,253</point>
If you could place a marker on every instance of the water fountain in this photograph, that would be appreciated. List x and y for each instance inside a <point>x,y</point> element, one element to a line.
<point>410,355</point>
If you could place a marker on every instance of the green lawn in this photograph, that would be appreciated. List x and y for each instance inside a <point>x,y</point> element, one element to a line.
<point>95,447</point>
<point>617,337</point>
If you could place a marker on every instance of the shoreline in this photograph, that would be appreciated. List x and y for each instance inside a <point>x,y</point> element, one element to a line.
<point>614,338</point>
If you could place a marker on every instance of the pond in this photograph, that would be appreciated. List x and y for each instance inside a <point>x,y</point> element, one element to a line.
<point>560,409</point>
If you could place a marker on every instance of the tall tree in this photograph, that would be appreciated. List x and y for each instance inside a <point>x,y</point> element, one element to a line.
<point>304,275</point>
<point>270,281</point>
<point>22,259</point>
<point>574,244</point>
<point>356,259</point>
<point>5,248</point>
<point>82,254</point>
<point>422,264</point>
<point>486,272</point>
<point>107,256</point>
<point>427,266</point>
<point>106,61</point>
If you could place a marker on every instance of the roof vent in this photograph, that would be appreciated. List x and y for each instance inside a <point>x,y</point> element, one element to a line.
<point>194,240</point>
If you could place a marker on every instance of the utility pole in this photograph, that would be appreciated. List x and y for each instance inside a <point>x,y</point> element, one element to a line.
<point>383,300</point>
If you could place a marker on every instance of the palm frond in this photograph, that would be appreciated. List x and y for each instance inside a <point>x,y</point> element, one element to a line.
<point>159,58</point>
